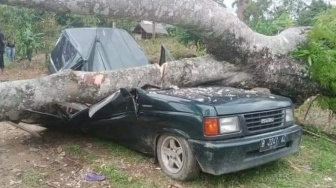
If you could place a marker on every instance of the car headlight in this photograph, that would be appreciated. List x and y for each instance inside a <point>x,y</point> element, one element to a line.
<point>289,115</point>
<point>229,125</point>
<point>213,126</point>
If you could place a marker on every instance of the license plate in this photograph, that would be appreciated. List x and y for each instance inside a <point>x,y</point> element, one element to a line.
<point>273,142</point>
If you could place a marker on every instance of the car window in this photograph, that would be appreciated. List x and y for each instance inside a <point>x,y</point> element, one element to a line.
<point>116,104</point>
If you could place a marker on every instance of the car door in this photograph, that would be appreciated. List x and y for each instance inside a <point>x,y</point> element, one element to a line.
<point>114,117</point>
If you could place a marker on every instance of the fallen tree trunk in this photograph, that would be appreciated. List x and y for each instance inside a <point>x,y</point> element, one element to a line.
<point>88,87</point>
<point>70,86</point>
<point>282,77</point>
<point>242,57</point>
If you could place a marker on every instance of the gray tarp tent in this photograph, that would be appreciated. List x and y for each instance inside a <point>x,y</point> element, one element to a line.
<point>96,49</point>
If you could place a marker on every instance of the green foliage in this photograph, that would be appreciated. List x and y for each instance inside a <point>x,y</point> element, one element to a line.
<point>153,48</point>
<point>187,38</point>
<point>270,16</point>
<point>20,23</point>
<point>320,54</point>
<point>272,26</point>
<point>257,10</point>
<point>51,30</point>
<point>262,18</point>
<point>67,20</point>
<point>36,31</point>
<point>126,24</point>
<point>30,42</point>
<point>306,16</point>
<point>327,103</point>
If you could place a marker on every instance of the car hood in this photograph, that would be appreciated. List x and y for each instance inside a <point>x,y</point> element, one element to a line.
<point>227,100</point>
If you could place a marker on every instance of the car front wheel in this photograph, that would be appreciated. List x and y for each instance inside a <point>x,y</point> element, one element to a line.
<point>176,158</point>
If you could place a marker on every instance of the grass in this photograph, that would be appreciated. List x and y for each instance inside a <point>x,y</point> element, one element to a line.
<point>77,150</point>
<point>32,178</point>
<point>121,151</point>
<point>177,50</point>
<point>116,176</point>
<point>313,166</point>
<point>314,163</point>
<point>119,178</point>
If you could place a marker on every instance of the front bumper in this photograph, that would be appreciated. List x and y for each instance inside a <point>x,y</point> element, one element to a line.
<point>221,157</point>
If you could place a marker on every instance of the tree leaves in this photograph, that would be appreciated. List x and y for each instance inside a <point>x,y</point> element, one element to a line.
<point>320,54</point>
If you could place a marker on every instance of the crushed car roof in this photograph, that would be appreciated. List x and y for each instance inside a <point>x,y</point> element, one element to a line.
<point>215,95</point>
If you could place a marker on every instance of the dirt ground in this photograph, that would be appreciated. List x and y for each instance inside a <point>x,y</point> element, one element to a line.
<point>26,161</point>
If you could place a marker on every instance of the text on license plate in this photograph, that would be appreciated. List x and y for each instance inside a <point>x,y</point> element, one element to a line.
<point>273,142</point>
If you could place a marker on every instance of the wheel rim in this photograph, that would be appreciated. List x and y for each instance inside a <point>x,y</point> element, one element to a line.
<point>172,154</point>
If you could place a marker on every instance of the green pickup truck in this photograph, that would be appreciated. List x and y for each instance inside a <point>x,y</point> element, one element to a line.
<point>216,130</point>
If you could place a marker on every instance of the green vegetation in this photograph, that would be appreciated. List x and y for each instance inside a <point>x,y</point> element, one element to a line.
<point>271,17</point>
<point>306,16</point>
<point>187,38</point>
<point>121,179</point>
<point>269,22</point>
<point>313,166</point>
<point>75,149</point>
<point>32,178</point>
<point>273,26</point>
<point>78,151</point>
<point>320,54</point>
<point>25,27</point>
<point>178,50</point>
<point>36,31</point>
<point>116,149</point>
<point>295,171</point>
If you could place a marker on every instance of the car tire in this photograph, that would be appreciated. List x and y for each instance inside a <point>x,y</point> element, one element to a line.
<point>176,158</point>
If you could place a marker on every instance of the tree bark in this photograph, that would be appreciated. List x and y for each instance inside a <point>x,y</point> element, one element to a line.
<point>207,17</point>
<point>241,6</point>
<point>242,57</point>
<point>70,86</point>
<point>90,87</point>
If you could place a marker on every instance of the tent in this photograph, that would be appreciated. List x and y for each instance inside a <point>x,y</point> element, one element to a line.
<point>96,49</point>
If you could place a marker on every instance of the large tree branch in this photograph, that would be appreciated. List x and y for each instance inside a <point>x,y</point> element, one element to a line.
<point>207,17</point>
<point>88,87</point>
<point>251,59</point>
<point>70,86</point>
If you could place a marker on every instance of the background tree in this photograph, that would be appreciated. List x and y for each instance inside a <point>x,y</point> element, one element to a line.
<point>18,23</point>
<point>272,16</point>
<point>241,8</point>
<point>307,14</point>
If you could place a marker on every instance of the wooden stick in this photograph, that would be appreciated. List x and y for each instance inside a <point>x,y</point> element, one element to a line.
<point>319,136</point>
<point>35,134</point>
<point>310,105</point>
